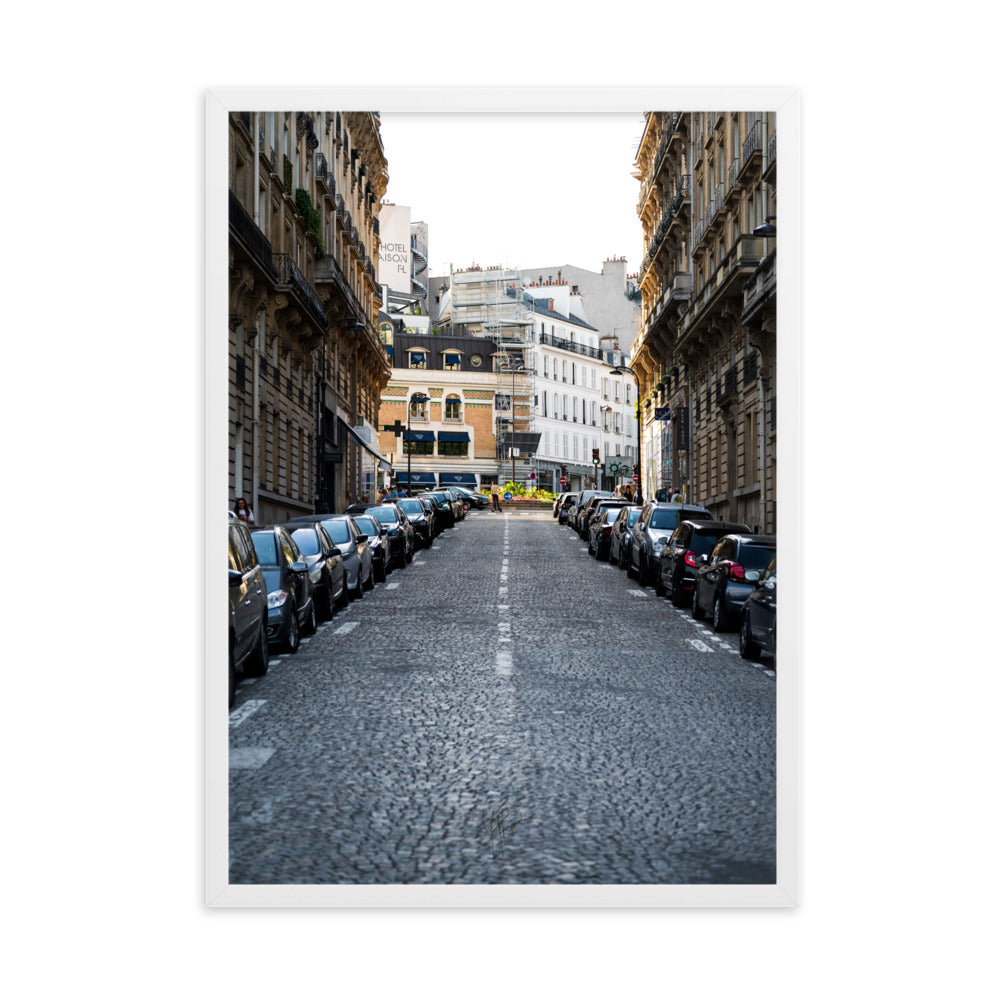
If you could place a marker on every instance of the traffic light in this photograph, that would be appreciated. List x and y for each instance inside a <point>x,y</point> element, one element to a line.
<point>597,454</point>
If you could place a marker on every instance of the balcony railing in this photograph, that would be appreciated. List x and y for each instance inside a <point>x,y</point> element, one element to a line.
<point>752,145</point>
<point>567,345</point>
<point>251,236</point>
<point>290,275</point>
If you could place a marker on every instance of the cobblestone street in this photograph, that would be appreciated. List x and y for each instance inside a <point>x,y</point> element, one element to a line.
<point>506,710</point>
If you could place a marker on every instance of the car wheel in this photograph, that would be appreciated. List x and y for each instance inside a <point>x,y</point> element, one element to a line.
<point>720,620</point>
<point>749,650</point>
<point>676,595</point>
<point>310,627</point>
<point>409,555</point>
<point>381,572</point>
<point>371,579</point>
<point>292,636</point>
<point>359,590</point>
<point>257,663</point>
<point>661,591</point>
<point>696,613</point>
<point>328,607</point>
<point>344,596</point>
<point>590,548</point>
<point>628,568</point>
<point>643,572</point>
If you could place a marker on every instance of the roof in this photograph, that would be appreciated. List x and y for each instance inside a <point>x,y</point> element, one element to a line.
<point>535,306</point>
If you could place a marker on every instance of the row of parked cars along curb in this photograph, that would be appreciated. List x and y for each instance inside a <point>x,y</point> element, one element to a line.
<point>286,578</point>
<point>717,568</point>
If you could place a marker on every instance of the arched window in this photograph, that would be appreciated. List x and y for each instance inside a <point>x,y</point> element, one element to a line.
<point>453,408</point>
<point>418,409</point>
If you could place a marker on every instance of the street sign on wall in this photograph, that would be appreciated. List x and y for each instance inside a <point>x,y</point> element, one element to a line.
<point>618,466</point>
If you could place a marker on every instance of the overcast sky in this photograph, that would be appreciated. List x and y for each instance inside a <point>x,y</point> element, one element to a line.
<point>518,189</point>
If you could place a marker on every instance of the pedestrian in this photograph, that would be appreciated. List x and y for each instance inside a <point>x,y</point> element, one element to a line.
<point>495,491</point>
<point>243,511</point>
<point>677,498</point>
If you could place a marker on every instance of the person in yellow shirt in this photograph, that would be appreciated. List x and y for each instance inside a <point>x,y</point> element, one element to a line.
<point>495,491</point>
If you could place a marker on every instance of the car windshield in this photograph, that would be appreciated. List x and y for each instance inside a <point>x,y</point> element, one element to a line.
<point>754,556</point>
<point>366,524</point>
<point>411,507</point>
<point>385,514</point>
<point>307,539</point>
<point>266,547</point>
<point>702,542</point>
<point>338,531</point>
<point>663,519</point>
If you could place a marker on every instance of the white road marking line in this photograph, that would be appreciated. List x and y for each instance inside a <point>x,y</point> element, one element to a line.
<point>638,593</point>
<point>249,758</point>
<point>391,586</point>
<point>346,627</point>
<point>245,711</point>
<point>505,662</point>
<point>502,592</point>
<point>700,646</point>
<point>503,607</point>
<point>419,562</point>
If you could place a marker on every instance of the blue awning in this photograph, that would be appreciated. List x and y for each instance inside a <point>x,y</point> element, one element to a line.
<point>416,478</point>
<point>418,435</point>
<point>453,436</point>
<point>458,479</point>
<point>417,357</point>
<point>390,350</point>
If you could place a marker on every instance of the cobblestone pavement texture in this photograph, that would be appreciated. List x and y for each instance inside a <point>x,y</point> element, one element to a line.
<point>506,710</point>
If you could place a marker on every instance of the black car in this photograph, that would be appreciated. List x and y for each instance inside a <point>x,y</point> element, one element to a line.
<point>621,535</point>
<point>758,624</point>
<point>582,505</point>
<point>726,578</point>
<point>400,531</point>
<point>327,568</point>
<point>679,559</point>
<point>444,511</point>
<point>378,544</point>
<point>649,536</point>
<point>290,609</point>
<point>473,499</point>
<point>601,525</point>
<point>247,608</point>
<point>593,508</point>
<point>421,519</point>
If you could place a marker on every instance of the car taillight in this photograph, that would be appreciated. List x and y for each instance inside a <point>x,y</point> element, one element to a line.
<point>606,531</point>
<point>689,558</point>
<point>736,572</point>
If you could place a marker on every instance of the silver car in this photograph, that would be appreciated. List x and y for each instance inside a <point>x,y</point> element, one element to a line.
<point>353,545</point>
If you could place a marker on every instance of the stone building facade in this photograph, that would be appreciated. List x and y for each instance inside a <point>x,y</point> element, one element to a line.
<point>705,359</point>
<point>306,366</point>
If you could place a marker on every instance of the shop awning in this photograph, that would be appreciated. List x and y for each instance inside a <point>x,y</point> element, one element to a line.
<point>458,436</point>
<point>458,479</point>
<point>418,435</point>
<point>416,478</point>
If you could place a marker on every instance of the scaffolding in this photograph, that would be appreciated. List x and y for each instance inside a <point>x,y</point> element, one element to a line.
<point>489,302</point>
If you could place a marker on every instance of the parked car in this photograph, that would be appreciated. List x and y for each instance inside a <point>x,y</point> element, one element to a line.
<point>594,508</point>
<point>621,535</point>
<point>649,536</point>
<point>599,532</point>
<point>444,509</point>
<point>456,501</point>
<point>566,507</point>
<point>326,565</point>
<point>758,623</point>
<point>726,577</point>
<point>679,559</point>
<point>478,500</point>
<point>586,496</point>
<point>291,612</point>
<point>378,544</point>
<point>353,544</point>
<point>399,529</point>
<point>247,608</point>
<point>418,515</point>
<point>557,503</point>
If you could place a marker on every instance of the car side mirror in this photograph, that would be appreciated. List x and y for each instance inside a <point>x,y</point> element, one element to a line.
<point>362,538</point>
<point>299,567</point>
<point>703,560</point>
<point>235,578</point>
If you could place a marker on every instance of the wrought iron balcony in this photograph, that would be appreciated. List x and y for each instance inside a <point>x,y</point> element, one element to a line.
<point>290,276</point>
<point>249,234</point>
<point>751,150</point>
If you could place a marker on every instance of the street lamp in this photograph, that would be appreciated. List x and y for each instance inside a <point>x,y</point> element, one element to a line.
<point>620,370</point>
<point>417,397</point>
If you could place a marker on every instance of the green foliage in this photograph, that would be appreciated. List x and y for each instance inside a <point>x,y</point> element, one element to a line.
<point>520,490</point>
<point>314,224</point>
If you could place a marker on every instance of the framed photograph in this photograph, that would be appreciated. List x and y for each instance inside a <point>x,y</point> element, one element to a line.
<point>492,419</point>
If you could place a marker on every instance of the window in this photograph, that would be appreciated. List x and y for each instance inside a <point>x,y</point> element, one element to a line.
<point>459,448</point>
<point>501,401</point>
<point>418,409</point>
<point>418,447</point>
<point>452,362</point>
<point>418,359</point>
<point>453,408</point>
